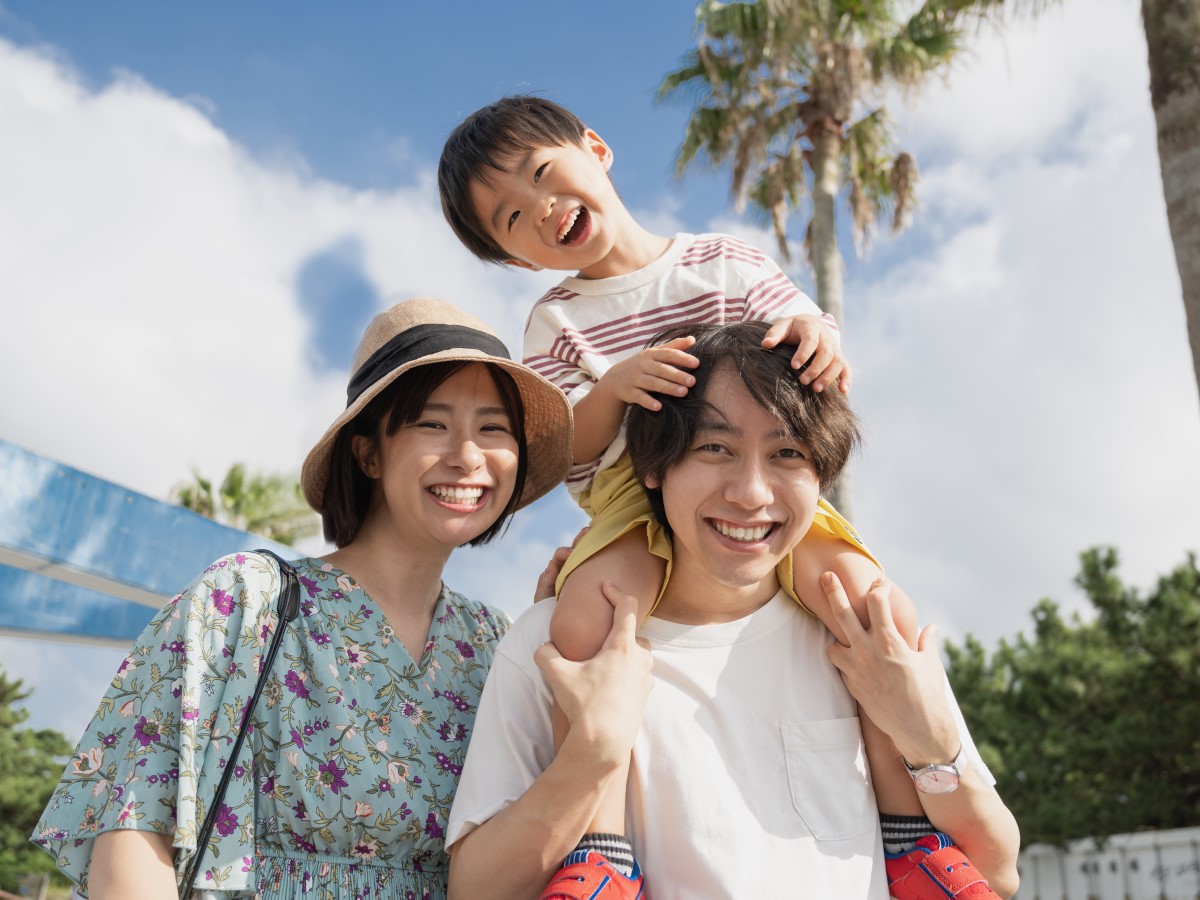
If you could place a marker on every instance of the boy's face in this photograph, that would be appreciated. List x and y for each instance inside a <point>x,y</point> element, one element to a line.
<point>555,208</point>
<point>741,497</point>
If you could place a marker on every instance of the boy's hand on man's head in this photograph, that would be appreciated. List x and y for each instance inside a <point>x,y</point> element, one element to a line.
<point>655,370</point>
<point>817,346</point>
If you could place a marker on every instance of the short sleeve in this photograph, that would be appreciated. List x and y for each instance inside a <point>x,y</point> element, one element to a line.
<point>151,757</point>
<point>513,741</point>
<point>771,295</point>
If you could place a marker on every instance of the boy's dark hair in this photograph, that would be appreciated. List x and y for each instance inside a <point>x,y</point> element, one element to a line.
<point>657,441</point>
<point>348,490</point>
<point>508,127</point>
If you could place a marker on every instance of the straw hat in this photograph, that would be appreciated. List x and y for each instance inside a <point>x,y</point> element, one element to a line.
<point>419,332</point>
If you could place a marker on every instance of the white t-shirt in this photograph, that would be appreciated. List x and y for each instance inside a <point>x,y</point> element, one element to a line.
<point>749,775</point>
<point>583,327</point>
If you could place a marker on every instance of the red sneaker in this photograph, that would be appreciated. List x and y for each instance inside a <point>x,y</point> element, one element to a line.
<point>587,875</point>
<point>935,870</point>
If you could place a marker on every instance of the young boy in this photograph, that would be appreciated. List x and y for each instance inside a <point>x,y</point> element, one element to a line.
<point>525,183</point>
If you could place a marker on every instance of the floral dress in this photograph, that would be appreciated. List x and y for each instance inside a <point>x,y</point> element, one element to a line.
<point>352,756</point>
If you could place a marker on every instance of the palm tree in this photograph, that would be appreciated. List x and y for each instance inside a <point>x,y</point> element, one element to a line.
<point>1173,40</point>
<point>268,505</point>
<point>790,93</point>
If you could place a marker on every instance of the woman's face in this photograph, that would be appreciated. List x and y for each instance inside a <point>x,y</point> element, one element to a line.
<point>444,478</point>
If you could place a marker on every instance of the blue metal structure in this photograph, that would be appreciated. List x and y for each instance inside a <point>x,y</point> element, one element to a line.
<point>86,560</point>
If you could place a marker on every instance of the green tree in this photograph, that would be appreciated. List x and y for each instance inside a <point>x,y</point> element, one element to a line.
<point>791,94</point>
<point>1173,41</point>
<point>1090,725</point>
<point>31,762</point>
<point>272,506</point>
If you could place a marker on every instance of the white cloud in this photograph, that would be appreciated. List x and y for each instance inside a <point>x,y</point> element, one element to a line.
<point>149,268</point>
<point>1022,368</point>
<point>149,272</point>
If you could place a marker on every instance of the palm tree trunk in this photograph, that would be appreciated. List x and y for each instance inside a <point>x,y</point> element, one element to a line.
<point>827,259</point>
<point>1173,40</point>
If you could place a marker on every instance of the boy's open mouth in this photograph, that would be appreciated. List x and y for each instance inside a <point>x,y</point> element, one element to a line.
<point>575,227</point>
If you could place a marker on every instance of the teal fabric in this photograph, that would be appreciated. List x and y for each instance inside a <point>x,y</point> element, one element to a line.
<point>353,754</point>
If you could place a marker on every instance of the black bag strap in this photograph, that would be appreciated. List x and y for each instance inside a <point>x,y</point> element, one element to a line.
<point>288,607</point>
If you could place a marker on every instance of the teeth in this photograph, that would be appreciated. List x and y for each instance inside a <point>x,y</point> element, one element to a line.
<point>568,225</point>
<point>756,533</point>
<point>458,494</point>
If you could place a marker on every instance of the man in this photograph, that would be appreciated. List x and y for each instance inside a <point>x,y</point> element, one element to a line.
<point>748,775</point>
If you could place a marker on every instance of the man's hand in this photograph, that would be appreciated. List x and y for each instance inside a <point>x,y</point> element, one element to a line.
<point>817,346</point>
<point>902,690</point>
<point>655,370</point>
<point>604,697</point>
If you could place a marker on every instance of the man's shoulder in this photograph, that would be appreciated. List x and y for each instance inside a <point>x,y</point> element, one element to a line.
<point>527,633</point>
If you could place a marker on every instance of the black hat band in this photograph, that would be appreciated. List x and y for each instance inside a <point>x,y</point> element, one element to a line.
<point>415,343</point>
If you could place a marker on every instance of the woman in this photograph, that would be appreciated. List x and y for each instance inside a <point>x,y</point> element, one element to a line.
<point>355,747</point>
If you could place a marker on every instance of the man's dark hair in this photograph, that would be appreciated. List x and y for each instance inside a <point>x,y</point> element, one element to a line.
<point>509,127</point>
<point>348,490</point>
<point>658,440</point>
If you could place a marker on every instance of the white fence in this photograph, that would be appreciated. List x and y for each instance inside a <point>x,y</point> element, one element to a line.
<point>1149,865</point>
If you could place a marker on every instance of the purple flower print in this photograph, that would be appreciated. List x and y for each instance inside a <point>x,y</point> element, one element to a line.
<point>331,775</point>
<point>444,764</point>
<point>297,739</point>
<point>222,601</point>
<point>303,844</point>
<point>465,650</point>
<point>405,812</point>
<point>146,732</point>
<point>385,787</point>
<point>227,822</point>
<point>320,638</point>
<point>268,785</point>
<point>295,684</point>
<point>459,703</point>
<point>300,810</point>
<point>432,828</point>
<point>310,586</point>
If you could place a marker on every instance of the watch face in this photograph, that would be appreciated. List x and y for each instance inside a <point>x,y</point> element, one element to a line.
<point>939,780</point>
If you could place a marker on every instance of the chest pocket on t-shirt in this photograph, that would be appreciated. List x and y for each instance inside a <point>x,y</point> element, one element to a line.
<point>829,779</point>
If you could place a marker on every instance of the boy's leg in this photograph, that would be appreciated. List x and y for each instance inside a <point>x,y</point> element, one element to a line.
<point>914,849</point>
<point>584,617</point>
<point>819,552</point>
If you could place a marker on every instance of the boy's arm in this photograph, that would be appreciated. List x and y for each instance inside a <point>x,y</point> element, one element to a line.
<point>904,691</point>
<point>818,353</point>
<point>600,412</point>
<point>533,812</point>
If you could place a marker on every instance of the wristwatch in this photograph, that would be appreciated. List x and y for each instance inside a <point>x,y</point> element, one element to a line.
<point>937,778</point>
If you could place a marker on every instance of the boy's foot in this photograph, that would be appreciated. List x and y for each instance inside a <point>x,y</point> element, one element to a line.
<point>935,870</point>
<point>587,875</point>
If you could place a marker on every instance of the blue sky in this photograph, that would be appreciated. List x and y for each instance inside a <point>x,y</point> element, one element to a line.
<point>201,204</point>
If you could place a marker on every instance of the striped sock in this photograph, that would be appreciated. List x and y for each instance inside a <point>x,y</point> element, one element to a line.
<point>616,848</point>
<point>900,833</point>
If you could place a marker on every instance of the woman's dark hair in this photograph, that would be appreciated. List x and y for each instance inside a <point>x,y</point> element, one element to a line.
<point>348,490</point>
<point>658,440</point>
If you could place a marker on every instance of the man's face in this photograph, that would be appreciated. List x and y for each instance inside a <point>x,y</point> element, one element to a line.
<point>740,499</point>
<point>555,208</point>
